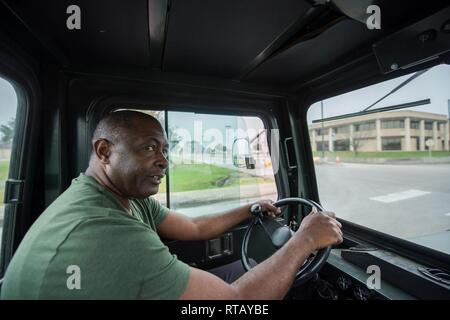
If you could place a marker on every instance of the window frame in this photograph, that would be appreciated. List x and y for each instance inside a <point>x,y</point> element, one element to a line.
<point>15,67</point>
<point>251,108</point>
<point>343,129</point>
<point>367,125</point>
<point>342,144</point>
<point>392,124</point>
<point>388,141</point>
<point>415,122</point>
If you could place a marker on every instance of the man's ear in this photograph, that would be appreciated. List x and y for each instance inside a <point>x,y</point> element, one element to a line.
<point>102,149</point>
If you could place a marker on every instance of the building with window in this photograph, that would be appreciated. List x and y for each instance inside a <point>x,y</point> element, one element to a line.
<point>385,131</point>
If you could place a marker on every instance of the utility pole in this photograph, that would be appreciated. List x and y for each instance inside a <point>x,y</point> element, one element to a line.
<point>225,148</point>
<point>321,131</point>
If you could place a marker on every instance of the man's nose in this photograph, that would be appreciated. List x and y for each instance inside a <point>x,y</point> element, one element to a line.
<point>162,161</point>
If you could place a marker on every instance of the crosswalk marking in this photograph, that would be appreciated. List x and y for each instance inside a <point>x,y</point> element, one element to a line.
<point>398,196</point>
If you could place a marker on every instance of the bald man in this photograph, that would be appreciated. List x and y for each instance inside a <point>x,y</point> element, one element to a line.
<point>100,239</point>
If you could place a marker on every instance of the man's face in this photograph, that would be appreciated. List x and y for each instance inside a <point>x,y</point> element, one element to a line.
<point>138,160</point>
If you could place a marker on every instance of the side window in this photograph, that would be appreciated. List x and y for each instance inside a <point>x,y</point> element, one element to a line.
<point>388,169</point>
<point>8,109</point>
<point>217,162</point>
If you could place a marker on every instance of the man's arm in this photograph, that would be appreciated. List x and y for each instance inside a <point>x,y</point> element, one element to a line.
<point>272,278</point>
<point>177,226</point>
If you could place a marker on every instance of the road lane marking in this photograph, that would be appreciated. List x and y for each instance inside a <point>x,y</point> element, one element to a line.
<point>398,196</point>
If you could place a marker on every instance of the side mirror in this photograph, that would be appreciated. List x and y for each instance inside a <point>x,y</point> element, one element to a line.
<point>250,162</point>
<point>242,155</point>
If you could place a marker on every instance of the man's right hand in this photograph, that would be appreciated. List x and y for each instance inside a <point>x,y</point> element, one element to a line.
<point>319,230</point>
<point>272,278</point>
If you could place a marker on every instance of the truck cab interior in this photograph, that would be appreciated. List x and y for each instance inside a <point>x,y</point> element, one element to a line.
<point>261,67</point>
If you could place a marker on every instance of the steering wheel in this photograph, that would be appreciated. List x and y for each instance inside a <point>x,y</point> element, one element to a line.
<point>279,234</point>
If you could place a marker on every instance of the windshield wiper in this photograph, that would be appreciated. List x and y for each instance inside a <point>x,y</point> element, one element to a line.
<point>404,83</point>
<point>384,109</point>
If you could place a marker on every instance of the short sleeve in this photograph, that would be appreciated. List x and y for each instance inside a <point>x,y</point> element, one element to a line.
<point>149,211</point>
<point>159,211</point>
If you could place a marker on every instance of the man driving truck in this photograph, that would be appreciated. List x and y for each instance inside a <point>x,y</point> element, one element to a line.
<point>108,228</point>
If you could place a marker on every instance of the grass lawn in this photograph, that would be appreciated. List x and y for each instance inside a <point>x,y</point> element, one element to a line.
<point>4,167</point>
<point>383,154</point>
<point>189,177</point>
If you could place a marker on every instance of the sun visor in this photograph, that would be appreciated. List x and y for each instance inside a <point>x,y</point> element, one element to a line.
<point>423,41</point>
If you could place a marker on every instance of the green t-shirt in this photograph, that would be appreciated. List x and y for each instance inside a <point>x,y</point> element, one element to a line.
<point>85,239</point>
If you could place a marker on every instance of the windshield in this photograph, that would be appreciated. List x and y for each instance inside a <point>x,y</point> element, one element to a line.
<point>389,171</point>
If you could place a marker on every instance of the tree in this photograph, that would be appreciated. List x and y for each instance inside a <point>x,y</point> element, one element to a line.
<point>360,140</point>
<point>7,131</point>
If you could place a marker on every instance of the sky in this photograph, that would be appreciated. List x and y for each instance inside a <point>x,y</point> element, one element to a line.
<point>433,84</point>
<point>8,101</point>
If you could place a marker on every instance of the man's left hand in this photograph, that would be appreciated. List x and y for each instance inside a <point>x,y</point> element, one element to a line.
<point>268,209</point>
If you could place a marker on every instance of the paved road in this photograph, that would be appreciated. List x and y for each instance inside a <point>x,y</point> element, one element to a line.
<point>403,200</point>
<point>407,201</point>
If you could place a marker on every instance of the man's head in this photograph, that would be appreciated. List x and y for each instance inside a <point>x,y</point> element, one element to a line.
<point>129,151</point>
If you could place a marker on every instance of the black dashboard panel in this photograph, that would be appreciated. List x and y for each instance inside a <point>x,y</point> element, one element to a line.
<point>349,275</point>
<point>421,281</point>
<point>350,281</point>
